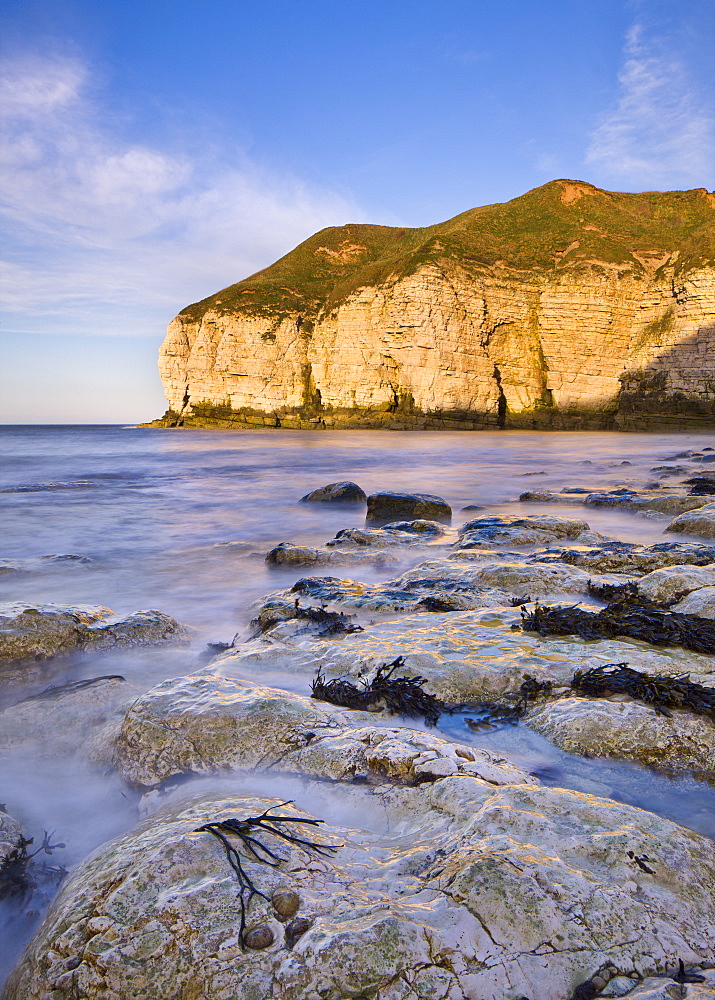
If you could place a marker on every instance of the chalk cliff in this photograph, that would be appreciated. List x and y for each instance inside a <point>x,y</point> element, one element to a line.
<point>567,307</point>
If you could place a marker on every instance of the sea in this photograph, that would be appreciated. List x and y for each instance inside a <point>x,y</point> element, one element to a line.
<point>180,520</point>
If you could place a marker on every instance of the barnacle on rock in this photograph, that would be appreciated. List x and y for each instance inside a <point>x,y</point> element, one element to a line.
<point>247,831</point>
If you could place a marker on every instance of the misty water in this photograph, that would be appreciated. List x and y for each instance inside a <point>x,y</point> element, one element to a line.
<point>180,521</point>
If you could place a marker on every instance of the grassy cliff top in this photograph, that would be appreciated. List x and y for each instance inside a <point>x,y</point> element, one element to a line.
<point>564,225</point>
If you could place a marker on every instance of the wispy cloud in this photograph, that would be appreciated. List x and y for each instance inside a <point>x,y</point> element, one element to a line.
<point>107,235</point>
<point>661,131</point>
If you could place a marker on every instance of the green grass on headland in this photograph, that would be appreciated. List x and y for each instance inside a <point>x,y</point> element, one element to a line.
<point>561,226</point>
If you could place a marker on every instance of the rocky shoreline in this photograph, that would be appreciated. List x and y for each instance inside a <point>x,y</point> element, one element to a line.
<point>406,865</point>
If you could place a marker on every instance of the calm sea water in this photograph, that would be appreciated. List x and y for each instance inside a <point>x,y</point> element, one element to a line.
<point>181,520</point>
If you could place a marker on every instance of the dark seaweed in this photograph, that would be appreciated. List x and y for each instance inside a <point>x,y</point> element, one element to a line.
<point>328,622</point>
<point>663,692</point>
<point>325,622</point>
<point>19,877</point>
<point>638,621</point>
<point>247,831</point>
<point>701,486</point>
<point>507,712</point>
<point>685,976</point>
<point>399,695</point>
<point>436,604</point>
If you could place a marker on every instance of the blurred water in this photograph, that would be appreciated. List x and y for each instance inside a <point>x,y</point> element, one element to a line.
<point>155,510</point>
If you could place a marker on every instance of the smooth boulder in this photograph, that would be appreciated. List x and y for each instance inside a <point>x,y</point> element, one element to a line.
<point>696,522</point>
<point>343,492</point>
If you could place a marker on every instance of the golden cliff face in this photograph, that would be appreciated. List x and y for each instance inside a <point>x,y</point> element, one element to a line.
<point>457,343</point>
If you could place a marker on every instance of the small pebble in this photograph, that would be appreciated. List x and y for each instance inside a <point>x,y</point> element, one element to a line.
<point>295,929</point>
<point>285,903</point>
<point>599,983</point>
<point>259,937</point>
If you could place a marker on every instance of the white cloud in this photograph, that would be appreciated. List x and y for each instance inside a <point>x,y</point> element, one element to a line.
<point>660,133</point>
<point>112,236</point>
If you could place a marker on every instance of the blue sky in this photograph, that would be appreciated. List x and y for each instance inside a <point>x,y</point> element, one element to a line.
<point>153,153</point>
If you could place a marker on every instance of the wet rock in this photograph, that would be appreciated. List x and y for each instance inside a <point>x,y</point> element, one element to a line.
<point>624,499</point>
<point>396,533</point>
<point>41,631</point>
<point>288,554</point>
<point>10,832</point>
<point>657,988</point>
<point>672,583</point>
<point>38,632</point>
<point>626,557</point>
<point>385,507</point>
<point>696,522</point>
<point>344,492</point>
<point>143,628</point>
<point>36,564</point>
<point>458,892</point>
<point>202,722</point>
<point>698,602</point>
<point>295,929</point>
<point>488,532</point>
<point>466,657</point>
<point>420,593</point>
<point>627,730</point>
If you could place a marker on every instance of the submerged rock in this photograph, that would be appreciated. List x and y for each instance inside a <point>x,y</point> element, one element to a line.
<point>696,522</point>
<point>454,897</point>
<point>62,719</point>
<point>385,507</point>
<point>344,492</point>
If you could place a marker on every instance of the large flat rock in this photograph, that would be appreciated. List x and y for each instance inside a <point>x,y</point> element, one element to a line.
<point>454,889</point>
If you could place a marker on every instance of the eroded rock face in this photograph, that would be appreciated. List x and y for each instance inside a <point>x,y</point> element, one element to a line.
<point>454,898</point>
<point>469,328</point>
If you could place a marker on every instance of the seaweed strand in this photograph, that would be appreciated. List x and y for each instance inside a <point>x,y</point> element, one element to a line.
<point>240,828</point>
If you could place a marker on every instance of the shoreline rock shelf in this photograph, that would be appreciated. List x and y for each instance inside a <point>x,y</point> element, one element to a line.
<point>457,892</point>
<point>465,876</point>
